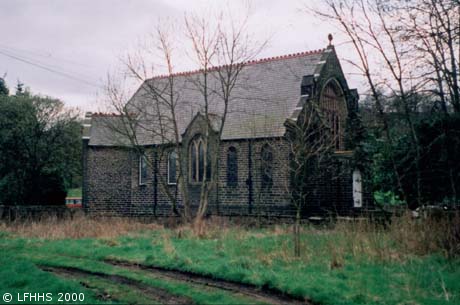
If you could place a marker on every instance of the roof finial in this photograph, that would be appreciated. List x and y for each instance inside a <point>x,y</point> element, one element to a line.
<point>330,37</point>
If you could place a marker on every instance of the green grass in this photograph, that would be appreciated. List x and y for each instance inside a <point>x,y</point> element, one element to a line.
<point>19,273</point>
<point>76,192</point>
<point>333,268</point>
<point>19,276</point>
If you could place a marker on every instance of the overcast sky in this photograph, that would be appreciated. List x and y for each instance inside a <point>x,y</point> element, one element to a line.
<point>66,48</point>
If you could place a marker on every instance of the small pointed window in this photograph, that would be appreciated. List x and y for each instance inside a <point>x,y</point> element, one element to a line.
<point>266,168</point>
<point>172,167</point>
<point>142,170</point>
<point>232,167</point>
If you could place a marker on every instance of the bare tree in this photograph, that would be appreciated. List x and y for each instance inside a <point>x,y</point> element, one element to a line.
<point>219,47</point>
<point>311,144</point>
<point>386,60</point>
<point>432,29</point>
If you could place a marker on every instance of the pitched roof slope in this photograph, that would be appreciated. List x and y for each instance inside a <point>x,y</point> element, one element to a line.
<point>266,94</point>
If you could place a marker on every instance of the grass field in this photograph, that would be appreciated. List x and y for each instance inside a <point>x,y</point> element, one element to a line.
<point>76,192</point>
<point>349,263</point>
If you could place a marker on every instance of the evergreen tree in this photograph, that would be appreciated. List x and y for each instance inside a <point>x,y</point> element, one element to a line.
<point>20,89</point>
<point>3,87</point>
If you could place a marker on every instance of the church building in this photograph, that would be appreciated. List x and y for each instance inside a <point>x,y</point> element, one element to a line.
<point>253,170</point>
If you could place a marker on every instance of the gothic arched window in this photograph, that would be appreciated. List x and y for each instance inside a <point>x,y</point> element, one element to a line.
<point>232,167</point>
<point>172,167</point>
<point>266,168</point>
<point>334,108</point>
<point>198,161</point>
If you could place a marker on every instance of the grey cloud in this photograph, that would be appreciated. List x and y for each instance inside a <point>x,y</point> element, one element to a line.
<point>85,37</point>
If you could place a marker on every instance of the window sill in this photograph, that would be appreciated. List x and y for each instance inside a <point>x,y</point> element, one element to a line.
<point>343,152</point>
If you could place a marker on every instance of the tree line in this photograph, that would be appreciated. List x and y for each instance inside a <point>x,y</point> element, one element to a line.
<point>40,148</point>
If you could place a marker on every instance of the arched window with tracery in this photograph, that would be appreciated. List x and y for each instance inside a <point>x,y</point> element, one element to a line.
<point>232,167</point>
<point>199,164</point>
<point>266,166</point>
<point>334,108</point>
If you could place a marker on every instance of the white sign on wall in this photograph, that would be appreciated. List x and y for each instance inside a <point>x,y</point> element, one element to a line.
<point>357,189</point>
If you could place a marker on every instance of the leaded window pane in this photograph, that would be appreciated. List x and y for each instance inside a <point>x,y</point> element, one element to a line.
<point>142,170</point>
<point>200,161</point>
<point>232,167</point>
<point>208,166</point>
<point>266,166</point>
<point>194,161</point>
<point>333,104</point>
<point>172,167</point>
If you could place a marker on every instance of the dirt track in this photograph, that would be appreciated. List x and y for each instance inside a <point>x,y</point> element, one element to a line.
<point>157,295</point>
<point>263,294</point>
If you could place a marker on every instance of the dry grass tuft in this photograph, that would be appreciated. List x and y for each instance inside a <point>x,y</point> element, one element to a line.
<point>78,227</point>
<point>281,230</point>
<point>212,228</point>
<point>428,235</point>
<point>396,241</point>
<point>168,246</point>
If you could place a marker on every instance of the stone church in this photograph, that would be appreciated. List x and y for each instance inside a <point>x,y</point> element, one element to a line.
<point>253,169</point>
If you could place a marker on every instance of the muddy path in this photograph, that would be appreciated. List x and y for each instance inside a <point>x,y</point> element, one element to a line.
<point>262,294</point>
<point>156,295</point>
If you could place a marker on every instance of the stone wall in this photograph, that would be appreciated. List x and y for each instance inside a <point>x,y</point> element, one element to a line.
<point>113,184</point>
<point>249,197</point>
<point>35,212</point>
<point>108,175</point>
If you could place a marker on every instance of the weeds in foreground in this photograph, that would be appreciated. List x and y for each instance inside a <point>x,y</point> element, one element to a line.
<point>344,262</point>
<point>425,236</point>
<point>393,241</point>
<point>397,240</point>
<point>401,238</point>
<point>77,227</point>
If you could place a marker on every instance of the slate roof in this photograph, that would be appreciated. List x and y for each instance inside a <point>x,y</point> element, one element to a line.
<point>267,93</point>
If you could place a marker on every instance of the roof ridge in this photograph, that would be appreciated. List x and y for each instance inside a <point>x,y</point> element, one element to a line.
<point>108,114</point>
<point>249,62</point>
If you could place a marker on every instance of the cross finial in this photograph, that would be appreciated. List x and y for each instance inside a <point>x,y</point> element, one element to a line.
<point>330,37</point>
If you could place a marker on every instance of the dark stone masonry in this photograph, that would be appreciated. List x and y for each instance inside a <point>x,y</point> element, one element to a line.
<point>253,144</point>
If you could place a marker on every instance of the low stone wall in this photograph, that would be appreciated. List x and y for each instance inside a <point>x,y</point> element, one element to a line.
<point>36,212</point>
<point>243,211</point>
